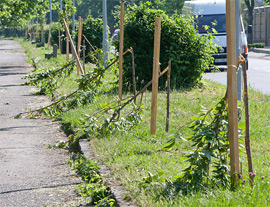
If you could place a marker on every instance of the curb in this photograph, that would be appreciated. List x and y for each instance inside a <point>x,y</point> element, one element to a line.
<point>266,51</point>
<point>117,190</point>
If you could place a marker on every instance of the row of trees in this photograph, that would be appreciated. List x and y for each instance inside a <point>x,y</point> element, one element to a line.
<point>17,13</point>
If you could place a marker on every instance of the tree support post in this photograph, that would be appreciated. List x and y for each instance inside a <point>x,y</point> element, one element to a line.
<point>59,38</point>
<point>73,47</point>
<point>67,44</point>
<point>168,98</point>
<point>121,49</point>
<point>232,90</point>
<point>49,38</point>
<point>155,74</point>
<point>247,134</point>
<point>79,41</point>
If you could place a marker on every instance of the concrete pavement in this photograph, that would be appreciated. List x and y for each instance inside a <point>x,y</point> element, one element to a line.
<point>30,175</point>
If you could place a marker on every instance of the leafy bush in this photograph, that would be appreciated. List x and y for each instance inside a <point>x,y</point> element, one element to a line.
<point>93,30</point>
<point>189,52</point>
<point>256,45</point>
<point>54,33</point>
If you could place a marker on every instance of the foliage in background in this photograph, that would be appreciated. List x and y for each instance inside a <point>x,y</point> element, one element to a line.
<point>256,45</point>
<point>15,13</point>
<point>93,31</point>
<point>67,10</point>
<point>94,8</point>
<point>189,52</point>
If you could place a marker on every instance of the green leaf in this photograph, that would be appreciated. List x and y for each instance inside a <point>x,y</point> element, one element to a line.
<point>169,145</point>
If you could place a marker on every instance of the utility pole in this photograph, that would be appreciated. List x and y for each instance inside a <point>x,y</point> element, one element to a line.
<point>238,47</point>
<point>61,7</point>
<point>232,90</point>
<point>105,45</point>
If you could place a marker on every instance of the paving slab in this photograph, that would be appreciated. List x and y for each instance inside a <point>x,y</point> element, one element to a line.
<point>30,174</point>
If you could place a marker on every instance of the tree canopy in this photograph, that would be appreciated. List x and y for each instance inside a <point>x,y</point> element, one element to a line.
<point>94,7</point>
<point>14,13</point>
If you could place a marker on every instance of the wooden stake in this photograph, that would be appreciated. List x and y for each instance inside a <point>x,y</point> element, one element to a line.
<point>42,33</point>
<point>73,47</point>
<point>155,74</point>
<point>232,91</point>
<point>49,38</point>
<point>121,49</point>
<point>59,38</point>
<point>34,34</point>
<point>247,135</point>
<point>138,93</point>
<point>79,41</point>
<point>168,97</point>
<point>67,44</point>
<point>84,48</point>
<point>133,73</point>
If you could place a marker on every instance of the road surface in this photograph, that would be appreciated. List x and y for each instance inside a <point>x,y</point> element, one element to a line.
<point>258,73</point>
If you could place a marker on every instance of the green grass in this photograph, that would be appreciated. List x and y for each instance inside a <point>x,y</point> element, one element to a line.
<point>131,155</point>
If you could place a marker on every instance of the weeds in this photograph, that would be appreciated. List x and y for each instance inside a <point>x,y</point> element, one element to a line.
<point>93,186</point>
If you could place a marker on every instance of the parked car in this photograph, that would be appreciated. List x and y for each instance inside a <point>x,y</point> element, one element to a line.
<point>212,14</point>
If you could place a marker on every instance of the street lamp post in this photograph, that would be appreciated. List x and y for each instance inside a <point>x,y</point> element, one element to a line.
<point>238,47</point>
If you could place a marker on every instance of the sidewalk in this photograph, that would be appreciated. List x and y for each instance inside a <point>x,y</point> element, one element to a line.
<point>265,50</point>
<point>30,175</point>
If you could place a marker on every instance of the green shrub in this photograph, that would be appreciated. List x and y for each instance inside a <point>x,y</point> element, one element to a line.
<point>256,45</point>
<point>189,52</point>
<point>54,33</point>
<point>93,31</point>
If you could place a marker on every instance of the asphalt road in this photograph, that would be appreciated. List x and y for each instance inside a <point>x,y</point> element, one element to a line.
<point>258,73</point>
<point>30,175</point>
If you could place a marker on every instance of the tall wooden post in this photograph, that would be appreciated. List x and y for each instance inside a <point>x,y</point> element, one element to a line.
<point>49,38</point>
<point>232,89</point>
<point>121,49</point>
<point>67,44</point>
<point>133,73</point>
<point>155,74</point>
<point>168,98</point>
<point>84,48</point>
<point>79,40</point>
<point>42,34</point>
<point>73,47</point>
<point>247,134</point>
<point>59,38</point>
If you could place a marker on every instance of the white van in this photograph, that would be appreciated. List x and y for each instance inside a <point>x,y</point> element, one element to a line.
<point>212,14</point>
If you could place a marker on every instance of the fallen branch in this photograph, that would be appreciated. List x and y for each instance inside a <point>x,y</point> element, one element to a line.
<point>135,96</point>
